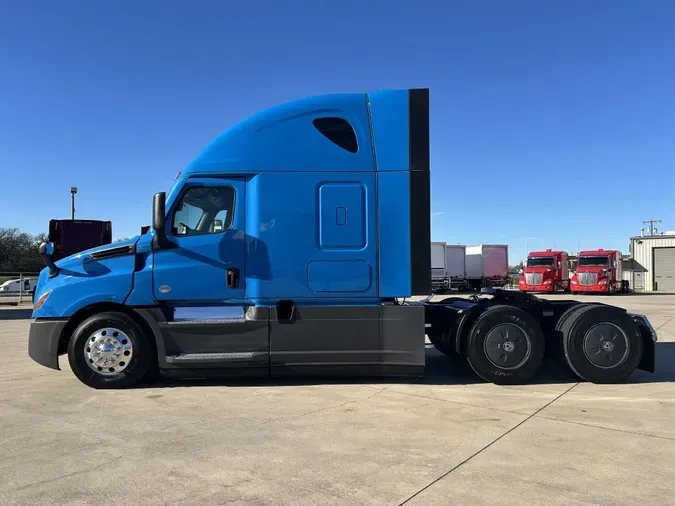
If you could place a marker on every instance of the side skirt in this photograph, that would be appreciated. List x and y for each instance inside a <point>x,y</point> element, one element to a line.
<point>210,341</point>
<point>318,341</point>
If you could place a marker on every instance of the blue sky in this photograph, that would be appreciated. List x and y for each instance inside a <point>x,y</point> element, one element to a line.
<point>552,122</point>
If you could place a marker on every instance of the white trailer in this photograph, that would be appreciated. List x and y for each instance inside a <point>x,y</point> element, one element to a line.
<point>439,277</point>
<point>487,265</point>
<point>455,262</point>
<point>16,286</point>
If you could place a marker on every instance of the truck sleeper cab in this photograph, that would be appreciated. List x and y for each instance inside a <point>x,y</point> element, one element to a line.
<point>598,271</point>
<point>545,271</point>
<point>284,248</point>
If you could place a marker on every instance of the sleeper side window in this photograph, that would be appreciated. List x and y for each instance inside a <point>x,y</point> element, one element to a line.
<point>204,210</point>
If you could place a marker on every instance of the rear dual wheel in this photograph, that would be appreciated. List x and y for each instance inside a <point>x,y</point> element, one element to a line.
<point>600,344</point>
<point>505,346</point>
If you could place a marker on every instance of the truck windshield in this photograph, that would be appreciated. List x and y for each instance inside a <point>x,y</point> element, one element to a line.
<point>592,261</point>
<point>540,261</point>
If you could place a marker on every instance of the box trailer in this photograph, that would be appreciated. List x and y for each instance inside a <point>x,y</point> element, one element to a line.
<point>487,265</point>
<point>455,262</point>
<point>439,276</point>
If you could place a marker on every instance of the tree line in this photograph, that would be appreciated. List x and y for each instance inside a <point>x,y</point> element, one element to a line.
<point>19,251</point>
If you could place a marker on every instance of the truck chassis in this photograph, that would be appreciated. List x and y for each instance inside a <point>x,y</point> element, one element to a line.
<point>504,335</point>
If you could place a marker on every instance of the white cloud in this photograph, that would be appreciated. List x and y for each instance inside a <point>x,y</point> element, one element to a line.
<point>441,213</point>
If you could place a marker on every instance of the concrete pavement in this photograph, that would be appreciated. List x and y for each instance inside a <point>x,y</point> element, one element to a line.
<point>448,439</point>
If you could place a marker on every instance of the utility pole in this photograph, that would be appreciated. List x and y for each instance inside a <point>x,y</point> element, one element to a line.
<point>73,191</point>
<point>651,225</point>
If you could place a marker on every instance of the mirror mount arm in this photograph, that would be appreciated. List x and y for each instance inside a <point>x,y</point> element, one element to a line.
<point>160,241</point>
<point>46,250</point>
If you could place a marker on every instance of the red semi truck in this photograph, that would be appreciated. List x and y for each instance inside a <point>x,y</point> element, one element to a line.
<point>546,271</point>
<point>598,271</point>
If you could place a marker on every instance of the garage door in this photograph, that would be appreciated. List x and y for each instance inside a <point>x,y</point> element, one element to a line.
<point>664,269</point>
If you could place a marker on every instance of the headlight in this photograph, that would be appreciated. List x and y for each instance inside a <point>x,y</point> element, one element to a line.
<point>574,282</point>
<point>547,282</point>
<point>41,300</point>
<point>603,282</point>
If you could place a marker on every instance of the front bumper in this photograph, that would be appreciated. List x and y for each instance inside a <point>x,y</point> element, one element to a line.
<point>589,288</point>
<point>43,342</point>
<point>536,288</point>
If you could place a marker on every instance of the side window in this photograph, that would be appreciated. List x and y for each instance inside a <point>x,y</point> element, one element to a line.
<point>204,210</point>
<point>338,131</point>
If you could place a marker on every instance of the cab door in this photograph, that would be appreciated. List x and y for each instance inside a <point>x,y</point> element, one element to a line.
<point>206,223</point>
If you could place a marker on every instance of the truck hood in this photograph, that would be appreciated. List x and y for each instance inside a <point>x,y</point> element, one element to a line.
<point>77,257</point>
<point>538,269</point>
<point>101,274</point>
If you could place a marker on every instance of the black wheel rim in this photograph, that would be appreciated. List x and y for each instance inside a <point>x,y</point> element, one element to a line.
<point>507,346</point>
<point>606,345</point>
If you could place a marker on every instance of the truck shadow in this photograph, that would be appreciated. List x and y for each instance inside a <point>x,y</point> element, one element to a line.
<point>440,370</point>
<point>665,366</point>
<point>18,313</point>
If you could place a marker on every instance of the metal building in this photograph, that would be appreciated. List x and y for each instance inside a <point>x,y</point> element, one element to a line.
<point>653,262</point>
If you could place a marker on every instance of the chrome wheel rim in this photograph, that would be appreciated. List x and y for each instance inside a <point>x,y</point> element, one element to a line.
<point>108,351</point>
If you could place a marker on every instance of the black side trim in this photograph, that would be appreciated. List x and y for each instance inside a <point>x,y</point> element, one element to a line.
<point>418,106</point>
<point>115,251</point>
<point>420,193</point>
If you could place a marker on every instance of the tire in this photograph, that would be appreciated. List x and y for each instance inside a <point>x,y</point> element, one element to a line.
<point>107,365</point>
<point>558,350</point>
<point>601,344</point>
<point>485,347</point>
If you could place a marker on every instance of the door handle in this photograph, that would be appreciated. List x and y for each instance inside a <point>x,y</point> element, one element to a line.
<point>232,277</point>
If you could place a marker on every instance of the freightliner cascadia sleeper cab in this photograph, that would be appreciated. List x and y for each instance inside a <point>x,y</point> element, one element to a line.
<point>288,247</point>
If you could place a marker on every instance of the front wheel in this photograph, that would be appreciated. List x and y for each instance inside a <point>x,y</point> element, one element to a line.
<point>109,350</point>
<point>505,346</point>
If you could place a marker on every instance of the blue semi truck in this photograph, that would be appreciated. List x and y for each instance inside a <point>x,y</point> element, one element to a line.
<point>290,246</point>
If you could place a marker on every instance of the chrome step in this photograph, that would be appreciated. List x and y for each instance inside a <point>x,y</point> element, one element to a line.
<point>192,321</point>
<point>210,357</point>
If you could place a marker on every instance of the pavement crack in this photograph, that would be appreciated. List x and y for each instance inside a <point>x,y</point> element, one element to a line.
<point>432,398</point>
<point>314,411</point>
<point>623,431</point>
<point>69,475</point>
<point>664,324</point>
<point>481,450</point>
<point>28,377</point>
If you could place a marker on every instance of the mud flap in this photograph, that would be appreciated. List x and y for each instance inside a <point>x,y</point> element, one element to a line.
<point>649,338</point>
